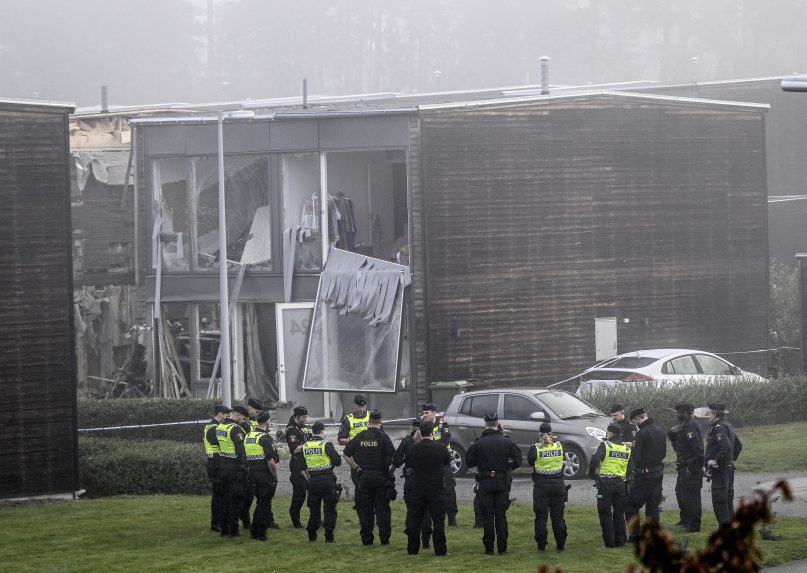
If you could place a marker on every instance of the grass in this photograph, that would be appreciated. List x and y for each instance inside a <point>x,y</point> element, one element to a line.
<point>775,448</point>
<point>170,534</point>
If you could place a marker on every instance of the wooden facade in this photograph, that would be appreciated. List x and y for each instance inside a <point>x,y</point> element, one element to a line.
<point>37,369</point>
<point>541,217</point>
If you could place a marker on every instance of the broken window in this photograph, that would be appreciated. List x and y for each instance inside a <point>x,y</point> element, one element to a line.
<point>355,337</point>
<point>246,184</point>
<point>171,241</point>
<point>302,234</point>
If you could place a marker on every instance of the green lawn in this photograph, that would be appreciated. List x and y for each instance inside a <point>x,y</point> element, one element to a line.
<point>170,534</point>
<point>776,448</point>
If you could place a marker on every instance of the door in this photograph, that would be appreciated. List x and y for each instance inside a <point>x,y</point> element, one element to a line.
<point>293,322</point>
<point>517,422</point>
<point>605,337</point>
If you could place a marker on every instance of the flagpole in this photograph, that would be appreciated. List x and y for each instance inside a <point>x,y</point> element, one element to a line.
<point>224,305</point>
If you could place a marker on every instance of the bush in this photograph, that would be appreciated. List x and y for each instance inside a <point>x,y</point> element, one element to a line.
<point>110,466</point>
<point>136,411</point>
<point>750,403</point>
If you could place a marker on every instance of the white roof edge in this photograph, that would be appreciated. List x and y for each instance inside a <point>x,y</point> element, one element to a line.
<point>582,95</point>
<point>38,103</point>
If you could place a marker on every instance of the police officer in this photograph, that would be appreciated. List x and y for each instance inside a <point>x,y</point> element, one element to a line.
<point>402,458</point>
<point>687,441</point>
<point>428,459</point>
<point>649,450</point>
<point>370,453</point>
<point>297,434</point>
<point>262,459</point>
<point>212,451</point>
<point>233,471</point>
<point>628,429</point>
<point>549,490</point>
<point>320,458</point>
<point>609,468</point>
<point>495,457</point>
<point>351,426</point>
<point>254,407</point>
<point>442,433</point>
<point>723,447</point>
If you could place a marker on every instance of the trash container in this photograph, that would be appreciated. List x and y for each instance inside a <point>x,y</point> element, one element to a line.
<point>443,392</point>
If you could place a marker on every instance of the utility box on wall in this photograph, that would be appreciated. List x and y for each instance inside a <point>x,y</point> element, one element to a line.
<point>605,337</point>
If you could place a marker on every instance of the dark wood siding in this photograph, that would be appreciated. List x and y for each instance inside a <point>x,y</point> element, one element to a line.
<point>37,372</point>
<point>539,219</point>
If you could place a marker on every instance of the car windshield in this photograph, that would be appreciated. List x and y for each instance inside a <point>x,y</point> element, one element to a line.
<point>631,362</point>
<point>567,406</point>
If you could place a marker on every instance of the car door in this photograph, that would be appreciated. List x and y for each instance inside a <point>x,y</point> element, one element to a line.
<point>517,422</point>
<point>468,423</point>
<point>679,369</point>
<point>714,368</point>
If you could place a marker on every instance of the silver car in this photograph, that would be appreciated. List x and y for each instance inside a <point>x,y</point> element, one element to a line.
<point>578,425</point>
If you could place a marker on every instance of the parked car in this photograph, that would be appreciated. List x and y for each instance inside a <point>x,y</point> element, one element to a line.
<point>670,365</point>
<point>578,425</point>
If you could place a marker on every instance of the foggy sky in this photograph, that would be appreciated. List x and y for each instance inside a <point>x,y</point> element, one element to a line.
<point>151,51</point>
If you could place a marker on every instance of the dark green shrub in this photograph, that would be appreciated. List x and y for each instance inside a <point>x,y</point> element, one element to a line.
<point>110,466</point>
<point>136,411</point>
<point>750,403</point>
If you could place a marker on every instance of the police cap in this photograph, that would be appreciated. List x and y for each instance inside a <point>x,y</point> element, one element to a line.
<point>429,407</point>
<point>253,403</point>
<point>546,428</point>
<point>241,410</point>
<point>717,406</point>
<point>491,416</point>
<point>375,414</point>
<point>221,409</point>
<point>636,412</point>
<point>617,408</point>
<point>359,400</point>
<point>615,429</point>
<point>300,411</point>
<point>685,407</point>
<point>263,417</point>
<point>318,427</point>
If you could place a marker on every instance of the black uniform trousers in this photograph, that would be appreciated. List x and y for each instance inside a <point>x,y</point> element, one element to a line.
<point>322,498</point>
<point>299,486</point>
<point>549,500</point>
<point>450,485</point>
<point>688,494</point>
<point>249,495</point>
<point>422,504</point>
<point>426,525</point>
<point>372,503</point>
<point>216,498</point>
<point>264,486</point>
<point>645,490</point>
<point>233,478</point>
<point>723,494</point>
<point>493,500</point>
<point>612,494</point>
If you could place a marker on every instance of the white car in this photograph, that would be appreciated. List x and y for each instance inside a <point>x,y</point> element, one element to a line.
<point>670,365</point>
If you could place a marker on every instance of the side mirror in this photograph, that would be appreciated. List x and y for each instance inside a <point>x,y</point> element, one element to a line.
<point>537,416</point>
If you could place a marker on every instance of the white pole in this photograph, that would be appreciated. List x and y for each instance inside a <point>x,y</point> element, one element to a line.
<point>224,299</point>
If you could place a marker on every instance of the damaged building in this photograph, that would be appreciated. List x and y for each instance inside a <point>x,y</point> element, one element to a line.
<point>384,244</point>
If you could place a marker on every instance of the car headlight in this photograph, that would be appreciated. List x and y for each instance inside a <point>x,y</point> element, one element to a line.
<point>595,432</point>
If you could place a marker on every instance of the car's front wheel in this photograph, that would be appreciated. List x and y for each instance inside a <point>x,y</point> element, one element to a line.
<point>574,462</point>
<point>458,466</point>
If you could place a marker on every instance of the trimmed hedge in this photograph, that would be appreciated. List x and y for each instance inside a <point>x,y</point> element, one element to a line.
<point>750,403</point>
<point>110,466</point>
<point>136,411</point>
